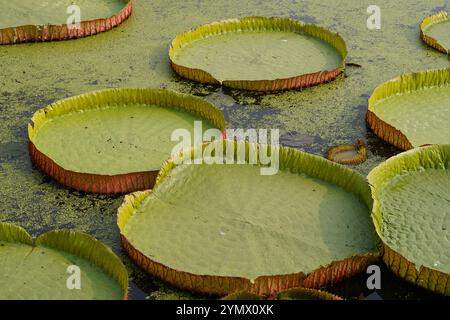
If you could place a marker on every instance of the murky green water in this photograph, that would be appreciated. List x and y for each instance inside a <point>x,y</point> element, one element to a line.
<point>135,55</point>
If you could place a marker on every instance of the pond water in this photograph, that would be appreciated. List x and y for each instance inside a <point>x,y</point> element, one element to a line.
<point>136,55</point>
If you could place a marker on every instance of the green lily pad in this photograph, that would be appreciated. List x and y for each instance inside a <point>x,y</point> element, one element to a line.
<point>412,110</point>
<point>41,270</point>
<point>31,21</point>
<point>411,214</point>
<point>107,140</point>
<point>435,31</point>
<point>259,53</point>
<point>219,229</point>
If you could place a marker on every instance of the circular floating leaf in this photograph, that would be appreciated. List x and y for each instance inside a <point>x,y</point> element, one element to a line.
<point>259,53</point>
<point>43,270</point>
<point>411,214</point>
<point>51,20</point>
<point>348,154</point>
<point>435,31</point>
<point>219,229</point>
<point>114,141</point>
<point>412,110</point>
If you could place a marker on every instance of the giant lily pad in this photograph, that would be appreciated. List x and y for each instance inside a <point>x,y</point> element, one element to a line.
<point>412,110</point>
<point>41,268</point>
<point>35,21</point>
<point>411,213</point>
<point>218,229</point>
<point>113,141</point>
<point>435,31</point>
<point>259,53</point>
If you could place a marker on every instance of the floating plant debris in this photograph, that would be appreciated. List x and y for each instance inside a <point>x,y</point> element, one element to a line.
<point>435,31</point>
<point>113,141</point>
<point>348,154</point>
<point>412,110</point>
<point>411,214</point>
<point>38,21</point>
<point>259,53</point>
<point>39,269</point>
<point>218,229</point>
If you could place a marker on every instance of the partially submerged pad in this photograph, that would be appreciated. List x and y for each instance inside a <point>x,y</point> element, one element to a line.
<point>242,295</point>
<point>306,294</point>
<point>37,21</point>
<point>42,269</point>
<point>348,154</point>
<point>290,294</point>
<point>435,31</point>
<point>412,110</point>
<point>259,53</point>
<point>219,229</point>
<point>114,141</point>
<point>411,213</point>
